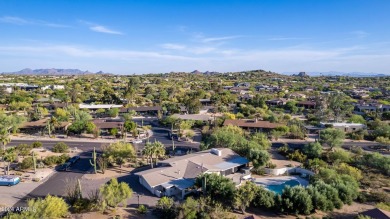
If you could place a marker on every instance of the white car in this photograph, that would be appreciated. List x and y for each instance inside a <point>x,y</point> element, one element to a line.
<point>136,141</point>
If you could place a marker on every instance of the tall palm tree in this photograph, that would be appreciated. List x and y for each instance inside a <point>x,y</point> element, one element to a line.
<point>148,153</point>
<point>158,150</point>
<point>4,139</point>
<point>153,151</point>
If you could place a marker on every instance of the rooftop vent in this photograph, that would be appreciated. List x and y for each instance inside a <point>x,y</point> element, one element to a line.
<point>216,152</point>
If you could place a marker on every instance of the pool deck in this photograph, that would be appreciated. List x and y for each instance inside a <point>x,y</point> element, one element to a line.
<point>276,180</point>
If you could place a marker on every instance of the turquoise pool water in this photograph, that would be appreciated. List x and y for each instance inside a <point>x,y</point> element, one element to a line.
<point>278,189</point>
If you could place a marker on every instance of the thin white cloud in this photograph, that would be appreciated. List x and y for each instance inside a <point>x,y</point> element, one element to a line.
<point>349,59</point>
<point>103,29</point>
<point>197,50</point>
<point>13,20</point>
<point>76,51</point>
<point>216,39</point>
<point>173,46</point>
<point>23,21</point>
<point>99,28</point>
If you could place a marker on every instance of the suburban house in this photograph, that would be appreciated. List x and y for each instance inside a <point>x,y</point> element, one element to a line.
<point>143,110</point>
<point>98,106</point>
<point>176,176</point>
<point>195,117</point>
<point>239,90</point>
<point>105,125</point>
<point>252,125</point>
<point>371,107</point>
<point>9,87</point>
<point>346,127</point>
<point>297,96</point>
<point>47,100</point>
<point>276,102</point>
<point>246,97</point>
<point>39,126</point>
<point>270,88</point>
<point>242,84</point>
<point>307,104</point>
<point>53,87</point>
<point>205,102</point>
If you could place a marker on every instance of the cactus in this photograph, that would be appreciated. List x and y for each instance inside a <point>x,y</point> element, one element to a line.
<point>79,188</point>
<point>94,160</point>
<point>35,162</point>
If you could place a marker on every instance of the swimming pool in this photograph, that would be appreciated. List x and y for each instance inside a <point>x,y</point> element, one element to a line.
<point>278,189</point>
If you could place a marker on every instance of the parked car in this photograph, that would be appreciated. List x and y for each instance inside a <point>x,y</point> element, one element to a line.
<point>74,159</point>
<point>136,141</point>
<point>9,180</point>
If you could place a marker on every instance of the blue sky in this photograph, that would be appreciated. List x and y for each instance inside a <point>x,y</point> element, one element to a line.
<point>145,36</point>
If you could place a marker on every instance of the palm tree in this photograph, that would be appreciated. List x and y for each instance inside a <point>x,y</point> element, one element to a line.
<point>148,152</point>
<point>4,139</point>
<point>153,151</point>
<point>158,150</point>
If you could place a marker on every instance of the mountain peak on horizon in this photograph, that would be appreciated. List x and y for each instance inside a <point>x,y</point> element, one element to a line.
<point>51,71</point>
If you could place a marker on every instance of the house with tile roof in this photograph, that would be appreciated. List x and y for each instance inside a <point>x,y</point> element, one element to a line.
<point>176,176</point>
<point>252,125</point>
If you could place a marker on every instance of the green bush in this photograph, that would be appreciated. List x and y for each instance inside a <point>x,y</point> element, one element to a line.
<point>60,147</point>
<point>82,205</point>
<point>27,163</point>
<point>54,160</point>
<point>50,160</point>
<point>297,156</point>
<point>36,144</point>
<point>142,209</point>
<point>62,159</point>
<point>24,149</point>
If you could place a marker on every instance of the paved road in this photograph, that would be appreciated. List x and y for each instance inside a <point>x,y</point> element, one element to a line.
<point>56,184</point>
<point>159,134</point>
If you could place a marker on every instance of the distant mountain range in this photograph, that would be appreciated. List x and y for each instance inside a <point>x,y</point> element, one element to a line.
<point>52,71</point>
<point>336,73</point>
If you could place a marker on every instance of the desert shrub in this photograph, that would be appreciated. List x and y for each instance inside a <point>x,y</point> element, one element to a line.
<point>27,163</point>
<point>36,144</point>
<point>50,160</point>
<point>24,149</point>
<point>62,159</point>
<point>142,209</point>
<point>60,147</point>
<point>297,156</point>
<point>81,205</point>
